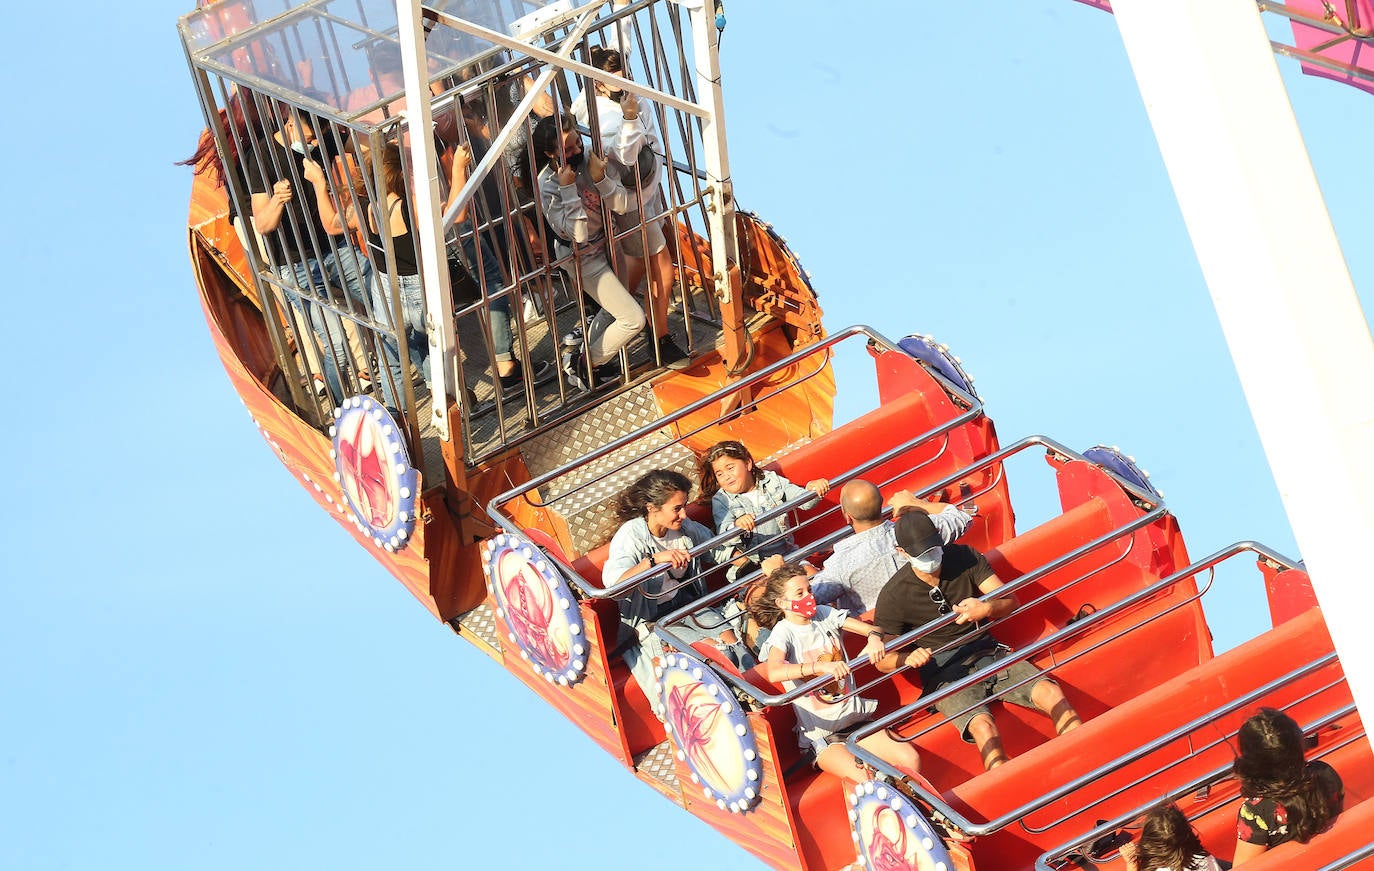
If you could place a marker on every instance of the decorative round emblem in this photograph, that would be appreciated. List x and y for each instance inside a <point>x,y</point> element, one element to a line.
<point>938,357</point>
<point>710,730</point>
<point>539,610</point>
<point>374,472</point>
<point>892,834</point>
<point>1111,459</point>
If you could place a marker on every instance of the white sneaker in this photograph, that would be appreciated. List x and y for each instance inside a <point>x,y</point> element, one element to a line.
<point>532,312</point>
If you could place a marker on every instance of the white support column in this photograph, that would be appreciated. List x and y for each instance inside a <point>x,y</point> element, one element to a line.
<point>1279,282</point>
<point>425,188</point>
<point>721,208</point>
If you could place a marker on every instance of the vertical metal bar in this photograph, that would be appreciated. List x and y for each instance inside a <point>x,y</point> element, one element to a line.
<point>721,210</point>
<point>428,231</point>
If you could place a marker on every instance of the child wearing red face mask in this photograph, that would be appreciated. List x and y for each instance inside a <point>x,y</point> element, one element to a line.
<point>804,643</point>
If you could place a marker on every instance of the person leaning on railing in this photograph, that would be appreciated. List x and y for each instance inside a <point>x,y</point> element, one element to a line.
<point>861,564</point>
<point>634,154</point>
<point>653,529</point>
<point>939,580</point>
<point>803,643</point>
<point>242,126</point>
<point>571,190</point>
<point>397,210</point>
<point>306,240</point>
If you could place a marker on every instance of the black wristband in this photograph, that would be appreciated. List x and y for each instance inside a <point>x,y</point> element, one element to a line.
<point>652,561</point>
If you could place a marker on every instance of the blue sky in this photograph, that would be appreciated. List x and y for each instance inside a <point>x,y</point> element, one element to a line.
<point>203,671</point>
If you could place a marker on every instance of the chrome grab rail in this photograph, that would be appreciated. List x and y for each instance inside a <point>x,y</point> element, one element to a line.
<point>982,674</point>
<point>768,699</point>
<point>824,543</point>
<point>723,538</point>
<point>653,428</point>
<point>1216,775</point>
<point>919,632</point>
<point>617,589</point>
<point>1078,626</point>
<point>493,506</point>
<point>1350,859</point>
<point>1193,751</point>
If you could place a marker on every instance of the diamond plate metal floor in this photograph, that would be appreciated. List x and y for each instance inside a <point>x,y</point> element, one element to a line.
<point>481,625</point>
<point>518,415</point>
<point>657,763</point>
<point>580,495</point>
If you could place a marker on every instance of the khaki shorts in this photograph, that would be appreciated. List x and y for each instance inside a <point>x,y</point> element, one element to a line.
<point>633,244</point>
<point>980,654</point>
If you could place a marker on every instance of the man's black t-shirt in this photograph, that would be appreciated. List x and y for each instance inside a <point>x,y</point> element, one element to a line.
<point>905,601</point>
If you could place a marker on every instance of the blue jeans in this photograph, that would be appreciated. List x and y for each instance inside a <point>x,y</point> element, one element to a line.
<point>412,322</point>
<point>492,281</point>
<point>347,269</point>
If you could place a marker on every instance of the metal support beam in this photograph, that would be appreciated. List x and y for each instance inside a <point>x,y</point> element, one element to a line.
<point>424,165</point>
<point>497,149</point>
<point>720,205</point>
<point>1278,279</point>
<point>562,61</point>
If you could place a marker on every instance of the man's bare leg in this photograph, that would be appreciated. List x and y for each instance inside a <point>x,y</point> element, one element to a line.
<point>1049,698</point>
<point>988,740</point>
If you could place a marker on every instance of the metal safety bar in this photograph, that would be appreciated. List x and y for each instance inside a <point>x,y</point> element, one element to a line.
<point>824,543</point>
<point>494,507</point>
<point>1047,860</point>
<point>769,699</point>
<point>1193,751</point>
<point>728,536</point>
<point>717,541</point>
<point>1054,638</point>
<point>1157,743</point>
<point>1349,859</point>
<point>652,428</point>
<point>1077,627</point>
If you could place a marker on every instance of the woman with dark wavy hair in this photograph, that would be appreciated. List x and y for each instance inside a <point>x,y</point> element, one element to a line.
<point>1284,799</point>
<point>655,531</point>
<point>242,127</point>
<point>1167,843</point>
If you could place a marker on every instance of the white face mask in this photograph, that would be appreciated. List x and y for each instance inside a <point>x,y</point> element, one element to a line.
<point>301,148</point>
<point>928,560</point>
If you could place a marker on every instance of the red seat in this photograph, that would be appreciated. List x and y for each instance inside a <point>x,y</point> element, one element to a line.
<point>1135,721</point>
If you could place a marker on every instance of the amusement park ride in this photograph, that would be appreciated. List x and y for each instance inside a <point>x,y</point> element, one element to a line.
<point>441,407</point>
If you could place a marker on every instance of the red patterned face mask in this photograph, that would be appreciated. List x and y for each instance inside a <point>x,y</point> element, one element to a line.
<point>805,606</point>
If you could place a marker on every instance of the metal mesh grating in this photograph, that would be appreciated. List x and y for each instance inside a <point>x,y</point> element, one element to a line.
<point>481,622</point>
<point>657,763</point>
<point>582,506</point>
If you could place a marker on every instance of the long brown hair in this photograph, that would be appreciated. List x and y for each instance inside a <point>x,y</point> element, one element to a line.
<point>650,491</point>
<point>765,609</point>
<point>544,144</point>
<point>239,123</point>
<point>1167,840</point>
<point>393,170</point>
<point>1271,765</point>
<point>729,448</point>
<point>607,59</point>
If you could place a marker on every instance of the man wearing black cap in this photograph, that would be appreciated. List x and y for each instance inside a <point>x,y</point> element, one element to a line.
<point>943,579</point>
